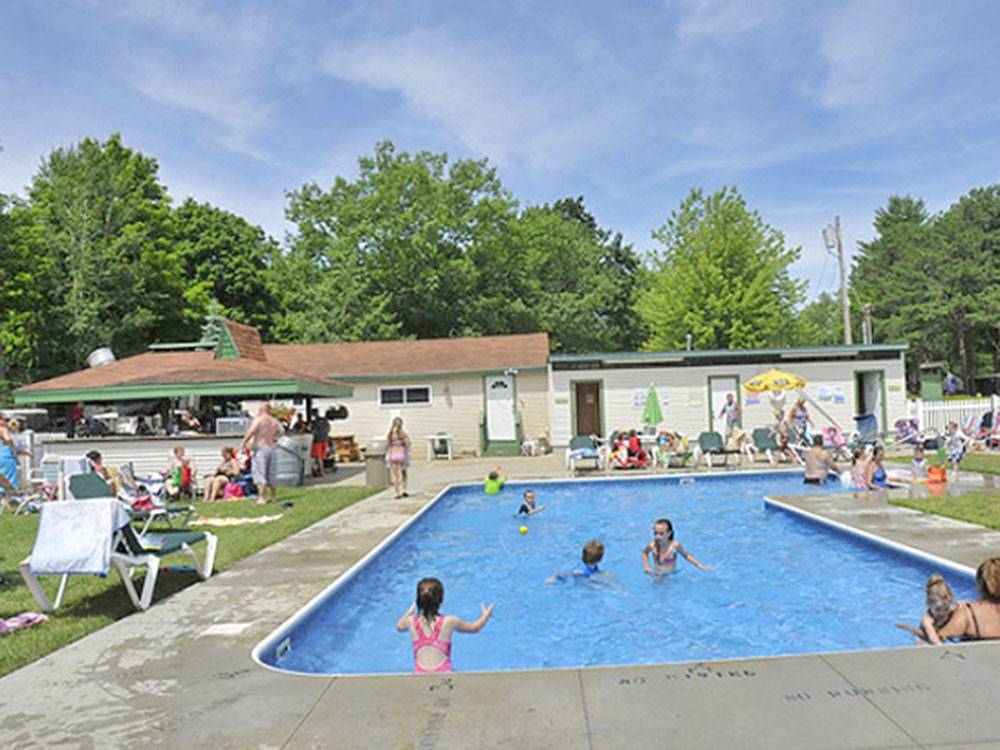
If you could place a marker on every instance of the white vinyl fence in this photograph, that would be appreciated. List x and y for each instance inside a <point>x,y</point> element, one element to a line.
<point>937,414</point>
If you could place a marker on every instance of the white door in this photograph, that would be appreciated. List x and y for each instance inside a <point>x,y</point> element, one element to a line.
<point>719,387</point>
<point>500,408</point>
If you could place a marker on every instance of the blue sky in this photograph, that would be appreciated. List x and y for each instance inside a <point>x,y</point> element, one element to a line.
<point>809,109</point>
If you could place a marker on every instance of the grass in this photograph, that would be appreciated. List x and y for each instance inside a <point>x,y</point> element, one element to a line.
<point>982,508</point>
<point>92,602</point>
<point>984,463</point>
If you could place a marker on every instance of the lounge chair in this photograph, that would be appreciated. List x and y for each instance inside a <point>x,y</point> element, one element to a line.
<point>583,448</point>
<point>675,458</point>
<point>93,486</point>
<point>90,536</point>
<point>764,443</point>
<point>711,444</point>
<point>866,431</point>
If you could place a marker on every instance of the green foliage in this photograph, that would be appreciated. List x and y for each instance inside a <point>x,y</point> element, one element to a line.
<point>722,277</point>
<point>100,219</point>
<point>579,283</point>
<point>821,322</point>
<point>226,259</point>
<point>419,246</point>
<point>930,278</point>
<point>22,299</point>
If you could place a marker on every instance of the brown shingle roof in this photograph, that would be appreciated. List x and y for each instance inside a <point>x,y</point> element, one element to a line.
<point>247,341</point>
<point>319,363</point>
<point>164,368</point>
<point>414,357</point>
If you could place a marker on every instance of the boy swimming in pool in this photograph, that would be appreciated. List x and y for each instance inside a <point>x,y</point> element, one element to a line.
<point>664,549</point>
<point>528,505</point>
<point>495,481</point>
<point>593,553</point>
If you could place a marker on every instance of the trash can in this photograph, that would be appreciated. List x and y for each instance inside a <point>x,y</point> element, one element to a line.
<point>376,472</point>
<point>290,464</point>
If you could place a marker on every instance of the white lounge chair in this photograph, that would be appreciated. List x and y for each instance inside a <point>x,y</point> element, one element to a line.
<point>88,537</point>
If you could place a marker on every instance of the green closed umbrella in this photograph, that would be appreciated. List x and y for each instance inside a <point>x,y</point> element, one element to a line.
<point>651,413</point>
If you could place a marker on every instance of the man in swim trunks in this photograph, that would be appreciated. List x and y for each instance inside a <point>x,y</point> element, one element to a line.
<point>262,438</point>
<point>819,463</point>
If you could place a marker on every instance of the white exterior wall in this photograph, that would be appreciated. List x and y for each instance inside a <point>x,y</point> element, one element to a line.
<point>456,407</point>
<point>533,403</point>
<point>686,392</point>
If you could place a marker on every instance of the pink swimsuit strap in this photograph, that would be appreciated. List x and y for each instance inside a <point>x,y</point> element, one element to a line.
<point>433,640</point>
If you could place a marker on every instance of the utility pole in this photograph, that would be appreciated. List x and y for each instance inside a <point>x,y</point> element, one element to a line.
<point>833,239</point>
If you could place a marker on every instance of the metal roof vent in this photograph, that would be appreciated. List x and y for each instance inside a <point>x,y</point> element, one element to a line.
<point>102,356</point>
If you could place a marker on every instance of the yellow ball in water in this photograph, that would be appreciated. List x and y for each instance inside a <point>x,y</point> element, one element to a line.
<point>523,529</point>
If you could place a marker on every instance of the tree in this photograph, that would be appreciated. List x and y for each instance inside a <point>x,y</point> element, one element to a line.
<point>970,230</point>
<point>227,259</point>
<point>418,240</point>
<point>723,277</point>
<point>578,283</point>
<point>100,219</point>
<point>23,299</point>
<point>821,323</point>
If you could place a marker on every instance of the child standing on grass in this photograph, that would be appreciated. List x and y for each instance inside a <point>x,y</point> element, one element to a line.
<point>957,443</point>
<point>664,549</point>
<point>431,631</point>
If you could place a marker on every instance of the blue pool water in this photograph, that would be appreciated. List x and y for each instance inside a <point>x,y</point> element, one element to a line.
<point>778,584</point>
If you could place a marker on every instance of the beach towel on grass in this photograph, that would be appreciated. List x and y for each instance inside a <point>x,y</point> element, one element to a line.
<point>75,537</point>
<point>232,520</point>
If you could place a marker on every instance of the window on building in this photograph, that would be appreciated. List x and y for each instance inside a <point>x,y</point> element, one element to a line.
<point>404,395</point>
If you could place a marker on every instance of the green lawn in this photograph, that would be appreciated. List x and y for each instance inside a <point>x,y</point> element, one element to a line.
<point>984,463</point>
<point>981,508</point>
<point>92,602</point>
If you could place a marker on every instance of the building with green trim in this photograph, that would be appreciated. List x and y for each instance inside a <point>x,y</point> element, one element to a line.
<point>602,392</point>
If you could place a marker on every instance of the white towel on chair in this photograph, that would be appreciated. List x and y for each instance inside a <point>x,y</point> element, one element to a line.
<point>76,537</point>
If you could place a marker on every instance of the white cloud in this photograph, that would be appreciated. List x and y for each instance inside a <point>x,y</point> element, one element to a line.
<point>511,108</point>
<point>878,53</point>
<point>226,100</point>
<point>722,19</point>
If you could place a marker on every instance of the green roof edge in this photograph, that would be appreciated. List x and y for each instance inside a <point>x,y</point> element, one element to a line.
<point>154,391</point>
<point>732,353</point>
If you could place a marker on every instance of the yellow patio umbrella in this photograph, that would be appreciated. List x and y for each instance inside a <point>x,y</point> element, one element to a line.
<point>778,382</point>
<point>774,380</point>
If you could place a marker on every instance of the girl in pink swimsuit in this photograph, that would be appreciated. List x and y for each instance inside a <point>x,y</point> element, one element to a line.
<point>431,631</point>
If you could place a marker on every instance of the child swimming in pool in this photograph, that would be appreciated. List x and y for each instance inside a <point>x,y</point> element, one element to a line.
<point>494,482</point>
<point>593,553</point>
<point>431,631</point>
<point>940,607</point>
<point>528,505</point>
<point>664,549</point>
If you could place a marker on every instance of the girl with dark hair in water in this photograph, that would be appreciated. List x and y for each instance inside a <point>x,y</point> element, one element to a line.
<point>431,631</point>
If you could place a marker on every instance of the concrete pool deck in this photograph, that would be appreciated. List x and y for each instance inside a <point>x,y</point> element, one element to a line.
<point>180,674</point>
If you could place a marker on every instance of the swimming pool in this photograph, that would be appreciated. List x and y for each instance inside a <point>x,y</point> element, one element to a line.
<point>778,584</point>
